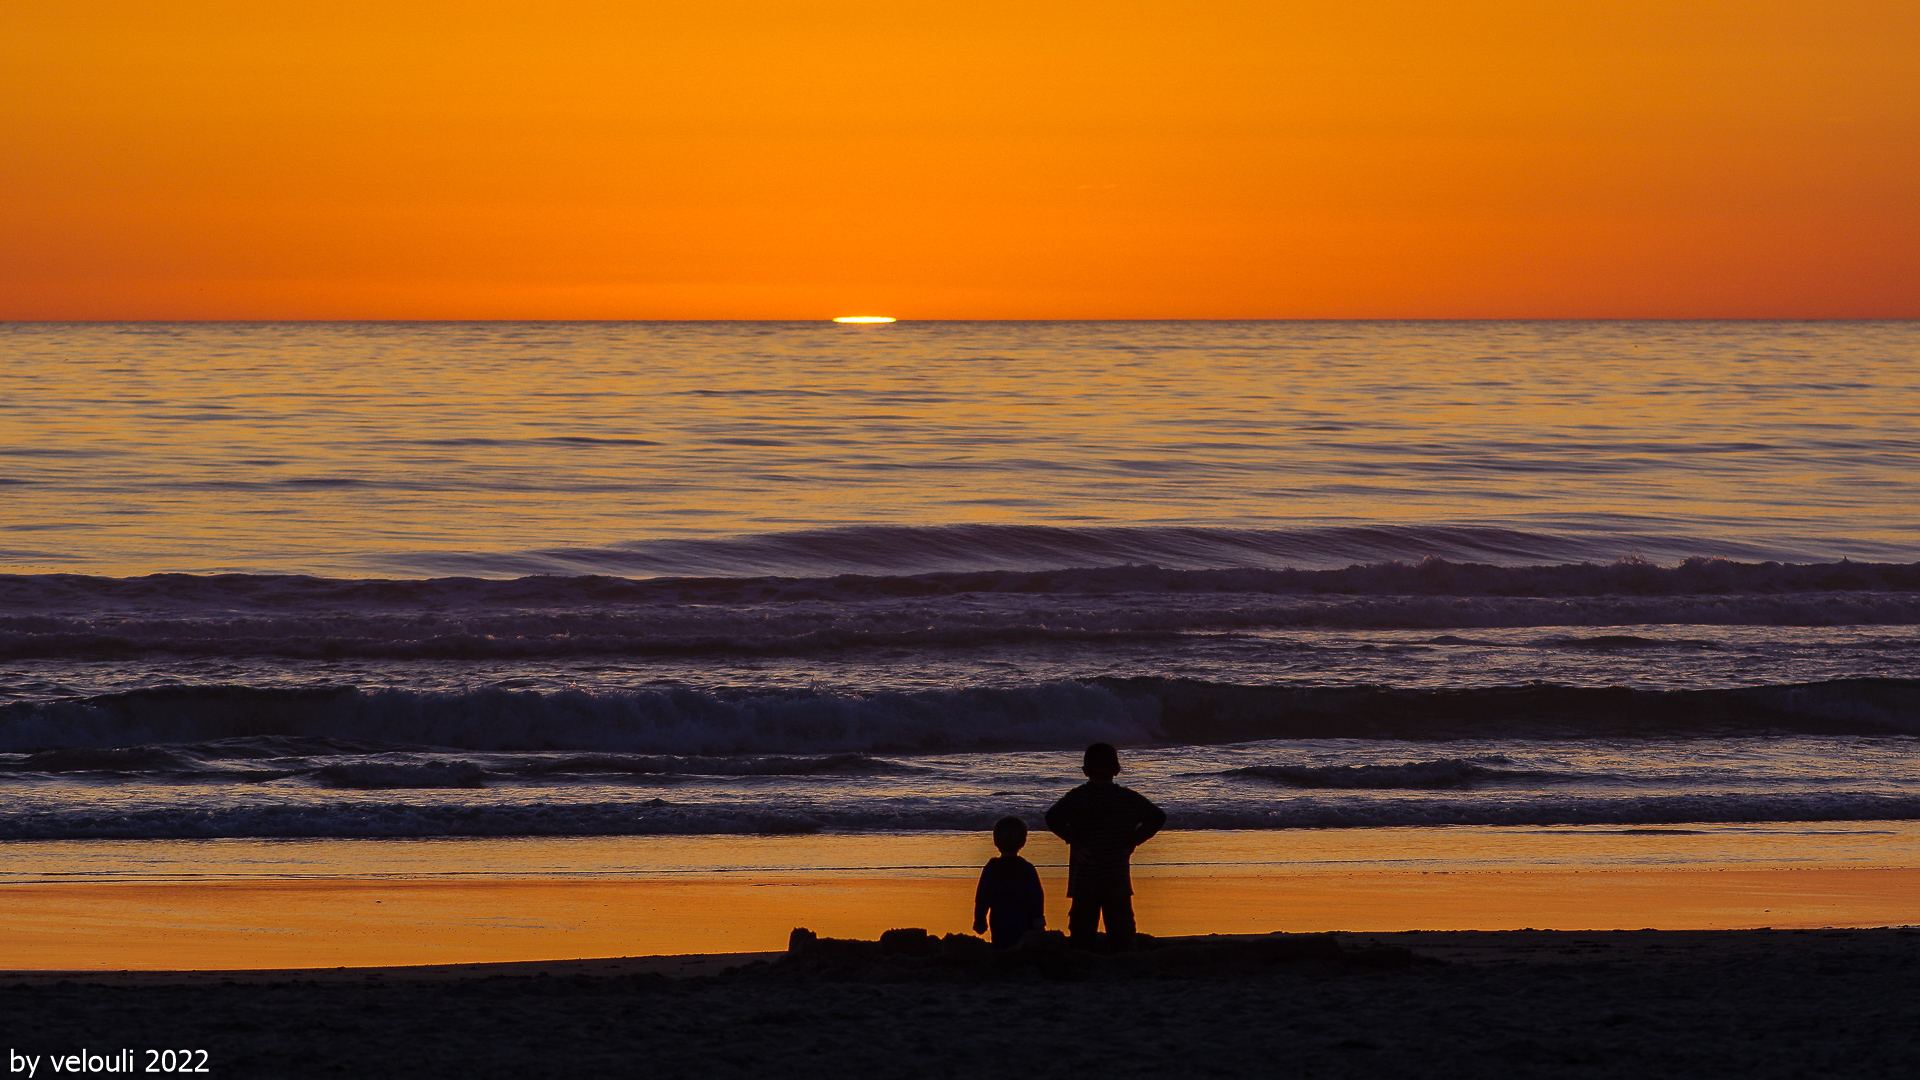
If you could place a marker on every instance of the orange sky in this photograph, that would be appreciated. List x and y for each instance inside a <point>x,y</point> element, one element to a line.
<point>218,159</point>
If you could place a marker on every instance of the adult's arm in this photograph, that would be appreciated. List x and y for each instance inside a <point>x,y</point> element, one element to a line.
<point>1060,818</point>
<point>1152,820</point>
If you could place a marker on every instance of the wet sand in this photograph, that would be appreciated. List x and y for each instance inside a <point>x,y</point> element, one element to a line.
<point>1775,1003</point>
<point>684,975</point>
<point>331,923</point>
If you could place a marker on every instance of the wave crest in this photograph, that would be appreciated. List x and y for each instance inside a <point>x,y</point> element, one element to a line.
<point>812,727</point>
<point>1443,774</point>
<point>671,722</point>
<point>377,774</point>
<point>652,817</point>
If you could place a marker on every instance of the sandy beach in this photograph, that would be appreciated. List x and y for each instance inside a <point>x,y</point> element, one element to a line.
<point>1772,1003</point>
<point>1252,973</point>
<point>332,923</point>
<point>235,905</point>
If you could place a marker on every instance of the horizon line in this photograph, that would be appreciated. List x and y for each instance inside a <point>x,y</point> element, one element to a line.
<point>830,321</point>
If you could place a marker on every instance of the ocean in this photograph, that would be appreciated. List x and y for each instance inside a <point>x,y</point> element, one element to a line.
<point>338,581</point>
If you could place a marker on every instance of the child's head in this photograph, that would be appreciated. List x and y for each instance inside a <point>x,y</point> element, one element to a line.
<point>1102,762</point>
<point>1009,835</point>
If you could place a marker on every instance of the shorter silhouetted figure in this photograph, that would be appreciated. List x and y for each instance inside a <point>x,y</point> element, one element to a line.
<point>1102,823</point>
<point>1009,897</point>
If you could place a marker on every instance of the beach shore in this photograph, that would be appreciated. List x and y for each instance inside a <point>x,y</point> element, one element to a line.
<point>360,923</point>
<point>462,959</point>
<point>1754,1003</point>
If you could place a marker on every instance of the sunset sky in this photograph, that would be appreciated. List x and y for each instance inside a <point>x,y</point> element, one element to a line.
<point>662,159</point>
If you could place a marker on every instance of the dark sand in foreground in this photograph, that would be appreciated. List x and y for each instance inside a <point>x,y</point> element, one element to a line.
<point>1748,1003</point>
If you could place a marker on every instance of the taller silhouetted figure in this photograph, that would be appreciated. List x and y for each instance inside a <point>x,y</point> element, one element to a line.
<point>1102,823</point>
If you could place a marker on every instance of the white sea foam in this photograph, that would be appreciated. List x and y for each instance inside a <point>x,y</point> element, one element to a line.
<point>1445,773</point>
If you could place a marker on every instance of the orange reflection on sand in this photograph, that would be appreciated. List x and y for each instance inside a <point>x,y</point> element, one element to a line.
<point>232,904</point>
<point>360,923</point>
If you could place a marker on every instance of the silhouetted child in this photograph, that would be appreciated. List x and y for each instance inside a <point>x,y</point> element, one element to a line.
<point>1102,823</point>
<point>1009,897</point>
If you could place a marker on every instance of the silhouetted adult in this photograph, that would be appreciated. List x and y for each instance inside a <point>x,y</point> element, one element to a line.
<point>1102,823</point>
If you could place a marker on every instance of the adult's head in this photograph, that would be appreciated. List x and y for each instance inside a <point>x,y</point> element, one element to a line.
<point>1009,835</point>
<point>1102,762</point>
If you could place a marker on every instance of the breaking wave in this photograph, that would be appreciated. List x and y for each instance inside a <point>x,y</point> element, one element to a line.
<point>253,760</point>
<point>649,817</point>
<point>376,774</point>
<point>900,550</point>
<point>648,722</point>
<point>1365,574</point>
<point>1146,710</point>
<point>83,618</point>
<point>1447,773</point>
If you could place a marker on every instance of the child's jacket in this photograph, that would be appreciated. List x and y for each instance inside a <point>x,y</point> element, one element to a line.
<point>1011,898</point>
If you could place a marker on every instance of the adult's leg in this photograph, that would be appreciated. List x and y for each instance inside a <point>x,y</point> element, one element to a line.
<point>1083,918</point>
<point>1119,911</point>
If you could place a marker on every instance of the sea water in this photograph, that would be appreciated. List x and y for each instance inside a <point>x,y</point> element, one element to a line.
<point>520,580</point>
